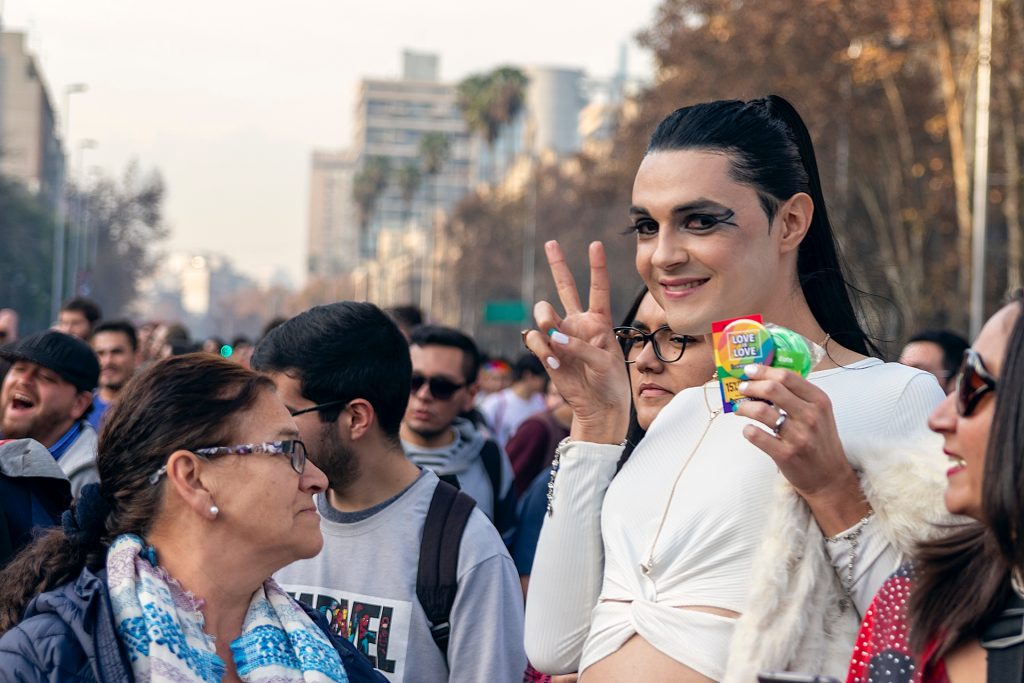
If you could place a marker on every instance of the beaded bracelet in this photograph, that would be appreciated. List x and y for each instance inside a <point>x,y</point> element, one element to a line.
<point>853,538</point>
<point>554,470</point>
<point>562,445</point>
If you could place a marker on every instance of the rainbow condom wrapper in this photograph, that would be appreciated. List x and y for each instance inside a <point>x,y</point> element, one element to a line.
<point>739,342</point>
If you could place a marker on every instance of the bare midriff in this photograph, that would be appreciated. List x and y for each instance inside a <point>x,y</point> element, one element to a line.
<point>638,660</point>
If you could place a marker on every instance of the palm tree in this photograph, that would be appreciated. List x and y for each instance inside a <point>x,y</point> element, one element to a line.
<point>435,150</point>
<point>472,96</point>
<point>368,185</point>
<point>409,177</point>
<point>507,94</point>
<point>491,101</point>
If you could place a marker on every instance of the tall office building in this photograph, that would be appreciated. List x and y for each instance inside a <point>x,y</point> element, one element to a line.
<point>333,220</point>
<point>554,99</point>
<point>30,150</point>
<point>392,116</point>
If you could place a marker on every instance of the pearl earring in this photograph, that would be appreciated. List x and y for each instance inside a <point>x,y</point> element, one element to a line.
<point>214,510</point>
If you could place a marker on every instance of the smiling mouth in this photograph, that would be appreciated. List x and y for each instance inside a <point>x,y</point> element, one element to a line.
<point>22,402</point>
<point>684,287</point>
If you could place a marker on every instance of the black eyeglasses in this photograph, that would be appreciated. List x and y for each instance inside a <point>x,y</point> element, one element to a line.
<point>440,388</point>
<point>973,381</point>
<point>295,449</point>
<point>668,346</point>
<point>318,407</point>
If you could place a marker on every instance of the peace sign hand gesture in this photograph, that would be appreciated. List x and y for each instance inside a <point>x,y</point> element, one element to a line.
<point>580,352</point>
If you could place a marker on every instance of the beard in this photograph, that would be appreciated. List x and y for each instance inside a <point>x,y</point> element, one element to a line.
<point>115,386</point>
<point>334,458</point>
<point>429,433</point>
<point>38,426</point>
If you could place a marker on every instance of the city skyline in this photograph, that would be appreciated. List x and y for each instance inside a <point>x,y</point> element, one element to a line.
<point>230,108</point>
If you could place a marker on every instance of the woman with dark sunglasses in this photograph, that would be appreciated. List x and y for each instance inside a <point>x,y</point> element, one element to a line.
<point>942,617</point>
<point>162,571</point>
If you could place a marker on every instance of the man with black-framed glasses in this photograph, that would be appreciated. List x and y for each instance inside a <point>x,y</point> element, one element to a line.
<point>343,371</point>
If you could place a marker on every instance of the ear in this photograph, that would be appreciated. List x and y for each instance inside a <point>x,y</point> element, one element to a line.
<point>470,399</point>
<point>185,476</point>
<point>794,218</point>
<point>359,417</point>
<point>83,399</point>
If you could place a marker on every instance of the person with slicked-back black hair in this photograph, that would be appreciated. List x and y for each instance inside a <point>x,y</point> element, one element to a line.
<point>728,542</point>
<point>162,570</point>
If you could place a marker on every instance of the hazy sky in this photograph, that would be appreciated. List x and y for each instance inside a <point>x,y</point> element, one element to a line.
<point>228,97</point>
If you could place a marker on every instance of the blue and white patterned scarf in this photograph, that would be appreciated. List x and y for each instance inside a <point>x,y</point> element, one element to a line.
<point>161,626</point>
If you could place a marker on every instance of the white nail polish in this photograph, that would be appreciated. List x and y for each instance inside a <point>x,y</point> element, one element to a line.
<point>553,363</point>
<point>559,338</point>
<point>743,386</point>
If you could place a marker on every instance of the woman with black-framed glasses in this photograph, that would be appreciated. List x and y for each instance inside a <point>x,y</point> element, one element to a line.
<point>944,616</point>
<point>162,571</point>
<point>660,363</point>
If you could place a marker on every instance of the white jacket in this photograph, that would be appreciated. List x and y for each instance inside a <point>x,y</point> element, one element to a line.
<point>798,618</point>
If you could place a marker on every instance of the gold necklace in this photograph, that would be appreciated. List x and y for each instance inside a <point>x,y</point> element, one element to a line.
<point>646,567</point>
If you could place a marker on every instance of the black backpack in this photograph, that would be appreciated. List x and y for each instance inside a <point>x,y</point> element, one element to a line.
<point>437,578</point>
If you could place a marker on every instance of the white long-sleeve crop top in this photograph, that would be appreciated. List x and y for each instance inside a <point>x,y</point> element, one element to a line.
<point>588,593</point>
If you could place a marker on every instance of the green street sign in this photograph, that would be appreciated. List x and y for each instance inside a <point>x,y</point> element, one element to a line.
<point>504,312</point>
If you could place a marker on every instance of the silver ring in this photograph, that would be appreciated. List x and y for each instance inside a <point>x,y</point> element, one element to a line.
<point>783,416</point>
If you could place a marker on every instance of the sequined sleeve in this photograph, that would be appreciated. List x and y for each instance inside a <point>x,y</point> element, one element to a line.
<point>882,651</point>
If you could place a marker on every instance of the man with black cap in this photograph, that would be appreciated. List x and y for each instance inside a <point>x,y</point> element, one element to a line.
<point>46,395</point>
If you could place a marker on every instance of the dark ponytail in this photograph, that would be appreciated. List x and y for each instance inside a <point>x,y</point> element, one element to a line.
<point>185,402</point>
<point>771,151</point>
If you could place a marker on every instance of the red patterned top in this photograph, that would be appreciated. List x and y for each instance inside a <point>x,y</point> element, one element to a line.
<point>882,652</point>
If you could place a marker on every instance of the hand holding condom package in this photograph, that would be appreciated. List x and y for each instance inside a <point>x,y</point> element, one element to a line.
<point>740,342</point>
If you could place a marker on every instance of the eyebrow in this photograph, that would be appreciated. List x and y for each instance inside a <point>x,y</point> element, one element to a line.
<point>640,325</point>
<point>286,434</point>
<point>695,205</point>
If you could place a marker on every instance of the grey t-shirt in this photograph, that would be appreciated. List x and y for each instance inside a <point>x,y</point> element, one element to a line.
<point>364,581</point>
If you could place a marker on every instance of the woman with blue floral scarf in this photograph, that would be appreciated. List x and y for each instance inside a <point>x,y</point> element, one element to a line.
<point>161,572</point>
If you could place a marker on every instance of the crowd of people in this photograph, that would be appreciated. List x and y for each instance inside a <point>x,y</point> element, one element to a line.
<point>359,494</point>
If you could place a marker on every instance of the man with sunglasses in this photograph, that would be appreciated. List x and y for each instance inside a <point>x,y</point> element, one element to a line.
<point>343,372</point>
<point>435,435</point>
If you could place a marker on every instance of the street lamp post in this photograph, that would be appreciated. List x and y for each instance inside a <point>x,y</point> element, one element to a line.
<point>78,217</point>
<point>57,287</point>
<point>981,167</point>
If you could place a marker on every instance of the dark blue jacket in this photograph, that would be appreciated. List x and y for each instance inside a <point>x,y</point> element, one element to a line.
<point>68,635</point>
<point>33,494</point>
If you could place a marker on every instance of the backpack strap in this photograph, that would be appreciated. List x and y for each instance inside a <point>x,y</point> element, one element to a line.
<point>505,519</point>
<point>490,454</point>
<point>437,575</point>
<point>1003,638</point>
